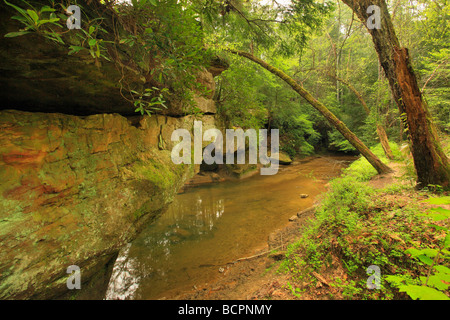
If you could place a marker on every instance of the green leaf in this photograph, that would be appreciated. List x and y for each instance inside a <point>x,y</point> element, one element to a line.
<point>21,19</point>
<point>423,293</point>
<point>440,281</point>
<point>91,29</point>
<point>437,214</point>
<point>395,280</point>
<point>425,259</point>
<point>413,252</point>
<point>53,36</point>
<point>16,34</point>
<point>439,200</point>
<point>47,9</point>
<point>33,15</point>
<point>92,42</point>
<point>440,214</point>
<point>423,254</point>
<point>105,57</point>
<point>23,12</point>
<point>75,49</point>
<point>41,22</point>
<point>430,252</point>
<point>447,241</point>
<point>153,2</point>
<point>442,269</point>
<point>446,253</point>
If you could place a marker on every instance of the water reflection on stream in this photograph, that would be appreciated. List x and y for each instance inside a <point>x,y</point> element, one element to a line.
<point>215,224</point>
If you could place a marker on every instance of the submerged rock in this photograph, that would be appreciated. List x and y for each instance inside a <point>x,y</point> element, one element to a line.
<point>182,232</point>
<point>284,158</point>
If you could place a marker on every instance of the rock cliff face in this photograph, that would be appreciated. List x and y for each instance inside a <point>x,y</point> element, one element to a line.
<point>80,172</point>
<point>74,190</point>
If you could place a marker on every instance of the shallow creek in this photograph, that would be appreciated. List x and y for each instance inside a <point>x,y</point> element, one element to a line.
<point>214,224</point>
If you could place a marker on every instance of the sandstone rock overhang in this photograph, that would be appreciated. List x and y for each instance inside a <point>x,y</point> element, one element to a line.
<point>38,75</point>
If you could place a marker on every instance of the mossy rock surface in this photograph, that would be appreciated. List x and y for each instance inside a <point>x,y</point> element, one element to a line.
<point>74,191</point>
<point>284,158</point>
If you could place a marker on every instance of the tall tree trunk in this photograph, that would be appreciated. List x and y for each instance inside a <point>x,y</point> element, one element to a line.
<point>332,119</point>
<point>431,163</point>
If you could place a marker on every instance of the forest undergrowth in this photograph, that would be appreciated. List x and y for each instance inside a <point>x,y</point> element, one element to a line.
<point>372,241</point>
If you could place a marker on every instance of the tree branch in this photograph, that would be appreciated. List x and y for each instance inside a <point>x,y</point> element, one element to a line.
<point>432,75</point>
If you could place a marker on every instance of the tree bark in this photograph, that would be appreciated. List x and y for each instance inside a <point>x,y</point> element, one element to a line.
<point>384,141</point>
<point>332,119</point>
<point>431,163</point>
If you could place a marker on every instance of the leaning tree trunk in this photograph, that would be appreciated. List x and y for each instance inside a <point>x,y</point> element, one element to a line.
<point>380,130</point>
<point>332,119</point>
<point>384,142</point>
<point>431,163</point>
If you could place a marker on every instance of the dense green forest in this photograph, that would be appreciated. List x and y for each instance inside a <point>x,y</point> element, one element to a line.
<point>331,83</point>
<point>322,45</point>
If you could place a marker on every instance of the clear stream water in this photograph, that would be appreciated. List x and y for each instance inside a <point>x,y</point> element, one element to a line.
<point>214,224</point>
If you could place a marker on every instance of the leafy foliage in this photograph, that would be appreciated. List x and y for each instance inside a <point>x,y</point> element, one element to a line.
<point>431,286</point>
<point>361,170</point>
<point>40,21</point>
<point>239,98</point>
<point>163,39</point>
<point>357,226</point>
<point>148,106</point>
